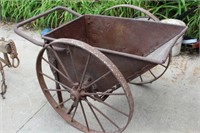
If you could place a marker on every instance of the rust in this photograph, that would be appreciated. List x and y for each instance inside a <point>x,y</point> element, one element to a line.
<point>92,59</point>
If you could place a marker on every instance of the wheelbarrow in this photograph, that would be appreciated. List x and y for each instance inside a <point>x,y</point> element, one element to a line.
<point>85,65</point>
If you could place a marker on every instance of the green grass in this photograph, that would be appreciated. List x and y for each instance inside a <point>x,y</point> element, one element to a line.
<point>18,10</point>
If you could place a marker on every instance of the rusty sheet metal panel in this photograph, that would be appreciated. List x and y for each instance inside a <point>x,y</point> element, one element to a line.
<point>134,38</point>
<point>124,35</point>
<point>75,29</point>
<point>130,67</point>
<point>129,36</point>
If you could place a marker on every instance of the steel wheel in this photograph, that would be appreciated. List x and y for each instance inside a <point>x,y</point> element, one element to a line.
<point>78,96</point>
<point>152,74</point>
<point>148,15</point>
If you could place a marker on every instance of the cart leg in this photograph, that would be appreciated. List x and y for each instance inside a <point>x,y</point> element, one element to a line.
<point>3,84</point>
<point>56,76</point>
<point>59,94</point>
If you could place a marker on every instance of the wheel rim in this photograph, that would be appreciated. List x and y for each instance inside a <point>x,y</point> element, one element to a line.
<point>148,15</point>
<point>152,74</point>
<point>81,106</point>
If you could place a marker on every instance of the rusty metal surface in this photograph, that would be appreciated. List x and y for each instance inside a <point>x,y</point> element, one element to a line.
<point>125,36</point>
<point>75,29</point>
<point>119,34</point>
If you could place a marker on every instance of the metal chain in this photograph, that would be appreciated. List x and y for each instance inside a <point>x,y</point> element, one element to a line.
<point>15,62</point>
<point>13,55</point>
<point>3,83</point>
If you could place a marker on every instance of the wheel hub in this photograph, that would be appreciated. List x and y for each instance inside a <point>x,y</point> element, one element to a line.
<point>77,93</point>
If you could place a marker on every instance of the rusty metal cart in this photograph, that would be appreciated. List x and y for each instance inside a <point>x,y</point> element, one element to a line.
<point>84,65</point>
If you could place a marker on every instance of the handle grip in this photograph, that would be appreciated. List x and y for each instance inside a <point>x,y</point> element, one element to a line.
<point>17,31</point>
<point>135,8</point>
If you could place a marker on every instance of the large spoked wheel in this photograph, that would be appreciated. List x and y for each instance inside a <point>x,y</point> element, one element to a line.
<point>152,74</point>
<point>86,88</point>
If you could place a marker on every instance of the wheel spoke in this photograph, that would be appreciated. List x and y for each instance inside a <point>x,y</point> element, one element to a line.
<point>63,102</point>
<point>108,105</point>
<point>84,116</point>
<point>103,114</point>
<point>60,62</point>
<point>163,65</point>
<point>54,90</point>
<point>141,78</point>
<point>103,94</point>
<point>85,69</point>
<point>96,118</point>
<point>68,88</point>
<point>152,74</point>
<point>52,66</point>
<point>95,81</point>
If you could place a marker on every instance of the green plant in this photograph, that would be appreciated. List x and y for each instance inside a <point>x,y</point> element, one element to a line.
<point>177,9</point>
